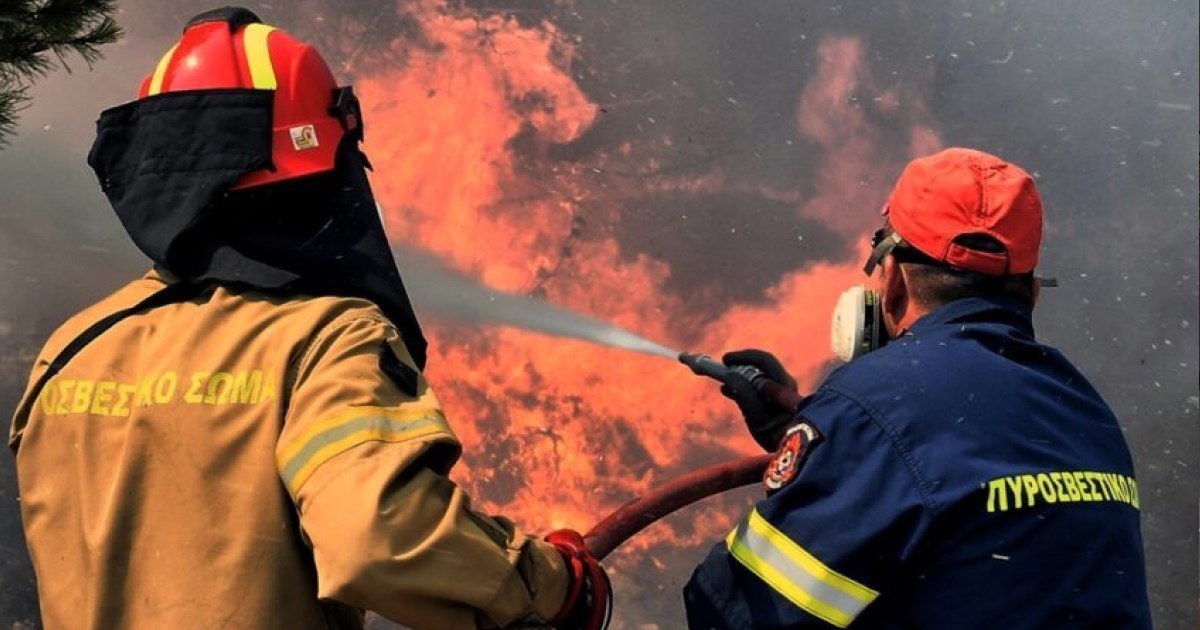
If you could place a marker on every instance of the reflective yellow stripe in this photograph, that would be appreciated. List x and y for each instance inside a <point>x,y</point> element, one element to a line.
<point>254,42</point>
<point>795,574</point>
<point>423,407</point>
<point>159,71</point>
<point>805,559</point>
<point>333,436</point>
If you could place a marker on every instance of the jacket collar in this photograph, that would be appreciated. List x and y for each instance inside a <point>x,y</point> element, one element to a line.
<point>978,310</point>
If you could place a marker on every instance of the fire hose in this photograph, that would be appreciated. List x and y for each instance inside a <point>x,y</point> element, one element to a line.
<point>631,518</point>
<point>638,514</point>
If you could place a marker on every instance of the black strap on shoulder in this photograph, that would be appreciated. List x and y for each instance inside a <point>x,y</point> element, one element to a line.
<point>172,293</point>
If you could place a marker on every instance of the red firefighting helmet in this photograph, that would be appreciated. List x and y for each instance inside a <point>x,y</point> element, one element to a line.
<point>230,48</point>
<point>960,192</point>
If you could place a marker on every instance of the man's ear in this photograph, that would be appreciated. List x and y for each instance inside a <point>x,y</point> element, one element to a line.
<point>896,299</point>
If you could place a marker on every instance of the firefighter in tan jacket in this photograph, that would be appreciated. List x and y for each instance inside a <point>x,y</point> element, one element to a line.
<point>243,437</point>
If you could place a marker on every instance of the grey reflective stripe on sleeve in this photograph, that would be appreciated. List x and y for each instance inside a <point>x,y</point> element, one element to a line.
<point>326,439</point>
<point>796,574</point>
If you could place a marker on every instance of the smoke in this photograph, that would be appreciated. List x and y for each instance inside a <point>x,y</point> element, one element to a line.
<point>701,175</point>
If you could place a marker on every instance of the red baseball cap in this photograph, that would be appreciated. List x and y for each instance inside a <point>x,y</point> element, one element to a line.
<point>959,192</point>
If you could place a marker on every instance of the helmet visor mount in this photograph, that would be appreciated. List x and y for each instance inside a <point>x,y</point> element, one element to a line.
<point>347,110</point>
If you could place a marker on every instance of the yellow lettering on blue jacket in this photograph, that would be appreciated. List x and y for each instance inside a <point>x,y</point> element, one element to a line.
<point>997,498</point>
<point>1016,492</point>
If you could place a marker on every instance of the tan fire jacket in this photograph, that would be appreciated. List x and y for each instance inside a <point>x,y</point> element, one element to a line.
<point>244,461</point>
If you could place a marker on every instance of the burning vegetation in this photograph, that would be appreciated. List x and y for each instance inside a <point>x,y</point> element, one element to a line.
<point>485,151</point>
<point>709,192</point>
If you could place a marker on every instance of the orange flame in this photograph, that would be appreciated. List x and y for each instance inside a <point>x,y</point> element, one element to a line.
<point>447,120</point>
<point>559,432</point>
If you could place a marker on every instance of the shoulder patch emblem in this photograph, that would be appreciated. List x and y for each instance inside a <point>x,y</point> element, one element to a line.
<point>792,450</point>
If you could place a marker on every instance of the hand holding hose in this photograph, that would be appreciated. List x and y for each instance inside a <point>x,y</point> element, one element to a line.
<point>767,416</point>
<point>589,596</point>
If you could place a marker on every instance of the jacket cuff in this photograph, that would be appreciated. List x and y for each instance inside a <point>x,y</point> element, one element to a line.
<point>537,586</point>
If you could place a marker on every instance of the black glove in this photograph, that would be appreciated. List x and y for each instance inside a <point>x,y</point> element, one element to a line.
<point>589,595</point>
<point>766,418</point>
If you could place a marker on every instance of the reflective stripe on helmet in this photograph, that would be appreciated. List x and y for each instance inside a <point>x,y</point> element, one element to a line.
<point>160,71</point>
<point>258,58</point>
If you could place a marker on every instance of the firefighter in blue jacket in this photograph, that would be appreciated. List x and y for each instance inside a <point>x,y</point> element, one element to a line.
<point>956,473</point>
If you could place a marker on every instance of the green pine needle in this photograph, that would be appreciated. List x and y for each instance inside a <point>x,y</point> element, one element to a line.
<point>36,36</point>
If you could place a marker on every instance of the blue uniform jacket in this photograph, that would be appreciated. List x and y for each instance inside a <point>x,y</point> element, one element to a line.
<point>965,476</point>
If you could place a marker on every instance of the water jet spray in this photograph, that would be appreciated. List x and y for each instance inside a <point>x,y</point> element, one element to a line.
<point>436,289</point>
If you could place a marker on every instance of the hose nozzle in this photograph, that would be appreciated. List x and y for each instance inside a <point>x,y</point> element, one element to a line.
<point>704,365</point>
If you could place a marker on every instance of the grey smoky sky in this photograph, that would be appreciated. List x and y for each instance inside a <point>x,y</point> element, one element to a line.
<point>1097,98</point>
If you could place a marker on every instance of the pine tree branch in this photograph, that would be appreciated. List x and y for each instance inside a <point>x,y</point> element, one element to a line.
<point>12,100</point>
<point>34,34</point>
